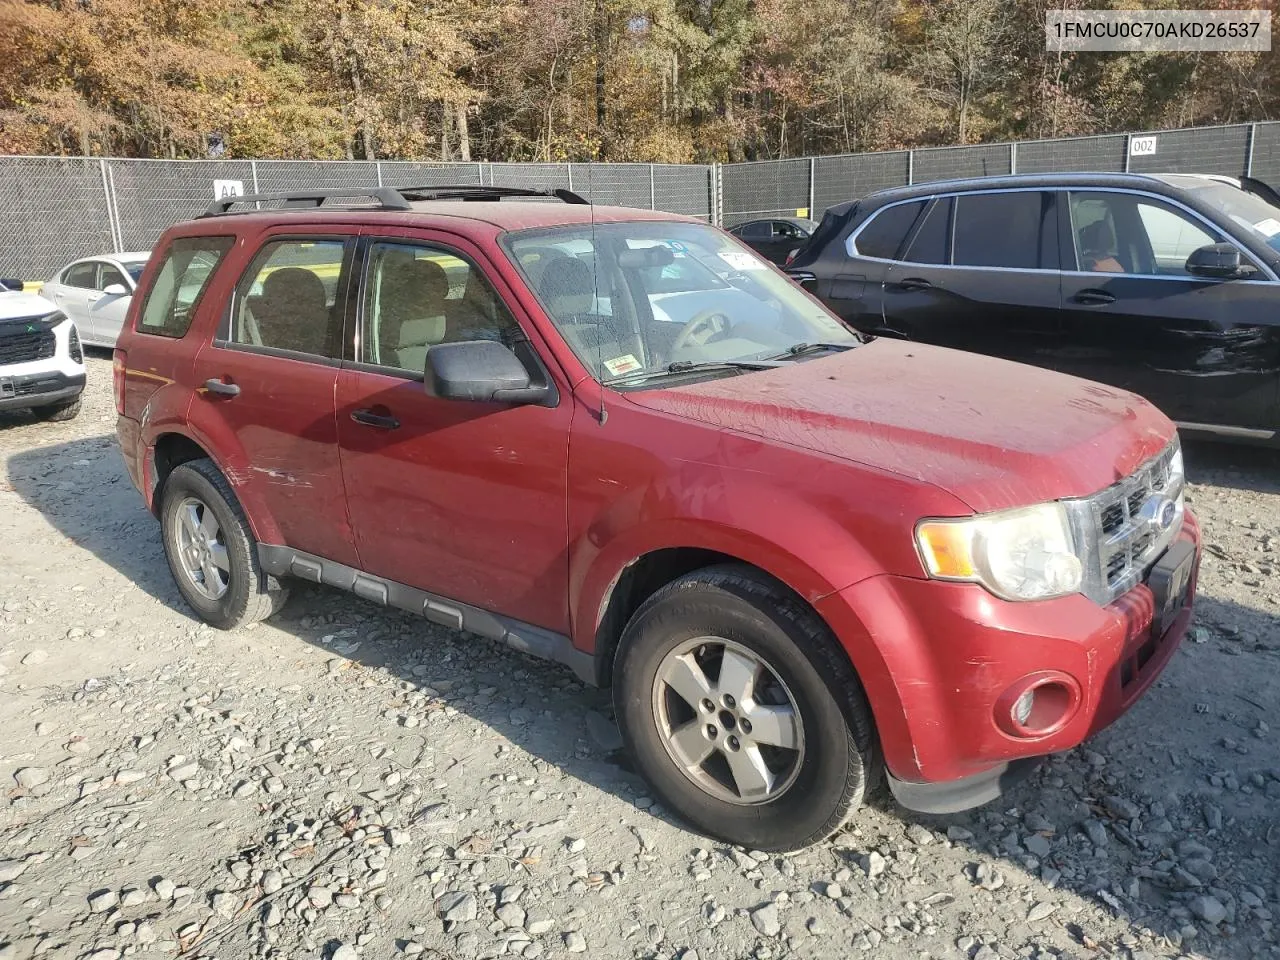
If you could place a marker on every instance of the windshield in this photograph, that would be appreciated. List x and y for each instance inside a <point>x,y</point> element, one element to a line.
<point>1245,209</point>
<point>637,297</point>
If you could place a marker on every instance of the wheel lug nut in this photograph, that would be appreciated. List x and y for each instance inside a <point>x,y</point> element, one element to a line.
<point>707,705</point>
<point>745,724</point>
<point>728,701</point>
<point>733,743</point>
<point>712,731</point>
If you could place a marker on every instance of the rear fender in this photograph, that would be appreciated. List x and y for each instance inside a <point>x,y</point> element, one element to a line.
<point>228,455</point>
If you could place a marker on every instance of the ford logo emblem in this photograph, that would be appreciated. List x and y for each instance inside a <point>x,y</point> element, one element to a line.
<point>1159,511</point>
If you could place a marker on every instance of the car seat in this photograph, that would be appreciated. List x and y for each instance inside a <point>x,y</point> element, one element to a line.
<point>567,288</point>
<point>411,312</point>
<point>292,313</point>
<point>1098,249</point>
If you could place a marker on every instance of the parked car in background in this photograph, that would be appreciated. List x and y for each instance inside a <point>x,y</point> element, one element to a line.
<point>96,292</point>
<point>798,559</point>
<point>1163,285</point>
<point>776,238</point>
<point>41,362</point>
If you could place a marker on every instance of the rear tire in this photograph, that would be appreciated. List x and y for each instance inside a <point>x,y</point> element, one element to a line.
<point>60,412</point>
<point>781,766</point>
<point>211,550</point>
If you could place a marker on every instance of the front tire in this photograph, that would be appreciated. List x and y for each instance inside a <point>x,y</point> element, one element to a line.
<point>743,713</point>
<point>211,551</point>
<point>60,412</point>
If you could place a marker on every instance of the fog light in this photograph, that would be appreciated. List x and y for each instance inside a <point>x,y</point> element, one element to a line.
<point>1023,706</point>
<point>1038,705</point>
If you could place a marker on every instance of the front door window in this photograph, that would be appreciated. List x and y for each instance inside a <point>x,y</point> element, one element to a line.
<point>1129,234</point>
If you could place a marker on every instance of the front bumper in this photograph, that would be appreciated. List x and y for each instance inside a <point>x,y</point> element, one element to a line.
<point>39,389</point>
<point>940,661</point>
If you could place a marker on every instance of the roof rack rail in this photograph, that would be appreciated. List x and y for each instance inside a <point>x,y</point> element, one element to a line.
<point>388,199</point>
<point>391,198</point>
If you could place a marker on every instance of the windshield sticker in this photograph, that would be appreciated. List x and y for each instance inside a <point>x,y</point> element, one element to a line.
<point>741,260</point>
<point>1268,227</point>
<point>623,364</point>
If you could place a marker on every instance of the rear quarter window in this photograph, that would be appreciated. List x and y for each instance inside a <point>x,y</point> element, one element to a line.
<point>188,265</point>
<point>883,234</point>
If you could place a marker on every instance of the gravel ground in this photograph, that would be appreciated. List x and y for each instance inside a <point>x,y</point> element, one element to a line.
<point>343,781</point>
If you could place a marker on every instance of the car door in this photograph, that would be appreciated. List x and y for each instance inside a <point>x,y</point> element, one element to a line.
<point>757,235</point>
<point>269,382</point>
<point>465,500</point>
<point>980,272</point>
<point>849,276</point>
<point>75,285</point>
<point>1204,350</point>
<point>783,238</point>
<point>106,310</point>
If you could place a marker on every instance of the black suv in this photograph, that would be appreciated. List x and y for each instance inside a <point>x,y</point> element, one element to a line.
<point>1163,285</point>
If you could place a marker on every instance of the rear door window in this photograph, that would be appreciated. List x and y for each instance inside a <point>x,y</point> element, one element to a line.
<point>883,235</point>
<point>1010,230</point>
<point>83,275</point>
<point>180,282</point>
<point>288,298</point>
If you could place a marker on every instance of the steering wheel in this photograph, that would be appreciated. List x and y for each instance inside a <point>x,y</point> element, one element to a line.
<point>703,318</point>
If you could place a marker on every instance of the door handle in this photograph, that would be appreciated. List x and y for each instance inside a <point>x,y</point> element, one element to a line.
<point>915,283</point>
<point>1093,297</point>
<point>371,419</point>
<point>222,389</point>
<point>94,297</point>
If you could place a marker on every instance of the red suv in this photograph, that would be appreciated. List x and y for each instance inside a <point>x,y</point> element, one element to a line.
<point>622,440</point>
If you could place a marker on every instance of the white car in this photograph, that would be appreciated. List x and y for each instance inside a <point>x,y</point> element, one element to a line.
<point>41,362</point>
<point>95,292</point>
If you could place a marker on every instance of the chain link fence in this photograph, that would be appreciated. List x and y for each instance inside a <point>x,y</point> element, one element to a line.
<point>791,188</point>
<point>53,209</point>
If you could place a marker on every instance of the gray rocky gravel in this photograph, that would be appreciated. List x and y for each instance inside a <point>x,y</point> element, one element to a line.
<point>347,782</point>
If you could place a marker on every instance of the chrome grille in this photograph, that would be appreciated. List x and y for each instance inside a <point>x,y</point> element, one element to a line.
<point>1117,540</point>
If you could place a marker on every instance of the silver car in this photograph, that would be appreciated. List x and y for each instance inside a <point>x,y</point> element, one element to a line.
<point>95,293</point>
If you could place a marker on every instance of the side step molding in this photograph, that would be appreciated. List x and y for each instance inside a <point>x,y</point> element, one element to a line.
<point>524,637</point>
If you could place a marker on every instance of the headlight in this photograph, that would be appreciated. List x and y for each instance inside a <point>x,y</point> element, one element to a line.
<point>1177,472</point>
<point>1025,554</point>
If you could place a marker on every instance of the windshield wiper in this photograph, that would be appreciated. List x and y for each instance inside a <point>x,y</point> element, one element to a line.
<point>804,349</point>
<point>692,366</point>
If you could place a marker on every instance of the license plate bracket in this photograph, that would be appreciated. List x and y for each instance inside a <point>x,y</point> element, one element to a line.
<point>1169,581</point>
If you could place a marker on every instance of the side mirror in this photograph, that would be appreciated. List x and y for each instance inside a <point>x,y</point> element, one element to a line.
<point>482,370</point>
<point>1220,261</point>
<point>115,290</point>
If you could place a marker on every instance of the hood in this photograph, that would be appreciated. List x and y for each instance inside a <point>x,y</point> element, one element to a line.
<point>993,433</point>
<point>24,306</point>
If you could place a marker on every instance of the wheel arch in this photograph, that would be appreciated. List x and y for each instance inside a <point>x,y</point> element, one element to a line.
<point>169,451</point>
<point>648,573</point>
<point>170,447</point>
